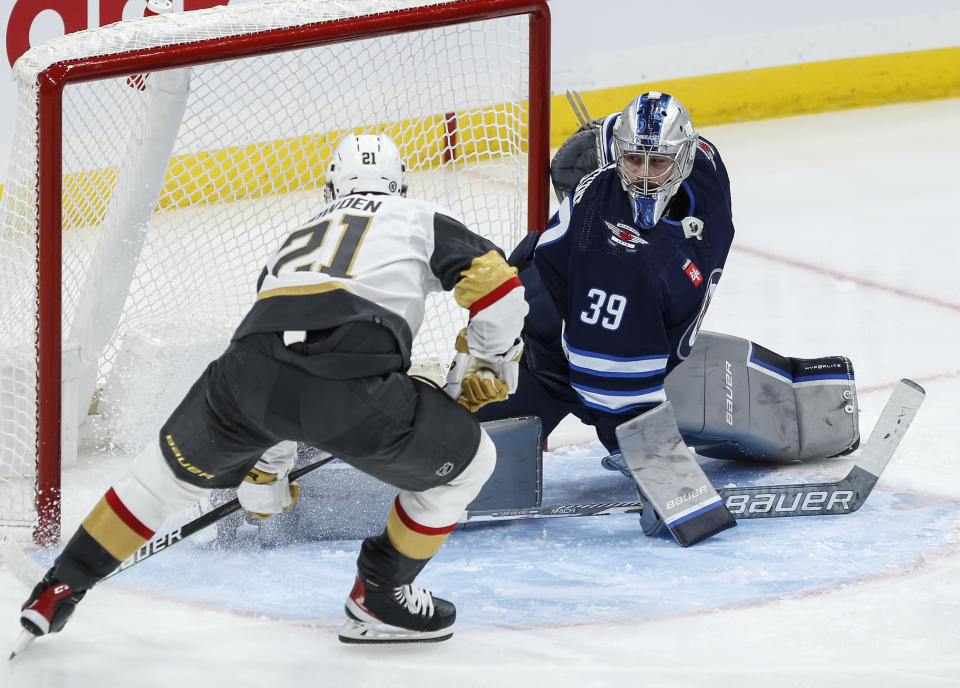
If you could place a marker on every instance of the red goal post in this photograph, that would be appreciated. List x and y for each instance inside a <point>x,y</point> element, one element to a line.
<point>521,131</point>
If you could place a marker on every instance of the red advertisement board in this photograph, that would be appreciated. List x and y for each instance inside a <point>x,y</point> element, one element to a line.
<point>75,17</point>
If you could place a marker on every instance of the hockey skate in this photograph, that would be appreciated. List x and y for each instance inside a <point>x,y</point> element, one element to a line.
<point>383,614</point>
<point>49,606</point>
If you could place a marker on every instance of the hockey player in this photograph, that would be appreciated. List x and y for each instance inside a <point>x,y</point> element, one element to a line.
<point>620,280</point>
<point>618,285</point>
<point>321,358</point>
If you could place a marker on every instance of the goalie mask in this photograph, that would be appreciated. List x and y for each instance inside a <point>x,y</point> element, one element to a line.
<point>369,163</point>
<point>655,146</point>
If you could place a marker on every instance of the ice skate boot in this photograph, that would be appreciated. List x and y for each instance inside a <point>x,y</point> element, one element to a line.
<point>49,606</point>
<point>382,614</point>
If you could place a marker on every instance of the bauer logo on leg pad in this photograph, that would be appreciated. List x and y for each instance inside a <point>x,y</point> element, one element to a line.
<point>670,479</point>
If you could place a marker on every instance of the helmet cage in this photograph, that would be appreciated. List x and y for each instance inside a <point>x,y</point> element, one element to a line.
<point>655,147</point>
<point>646,170</point>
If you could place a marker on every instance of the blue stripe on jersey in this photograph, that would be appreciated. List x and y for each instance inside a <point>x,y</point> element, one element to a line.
<point>605,365</point>
<point>612,383</point>
<point>620,401</point>
<point>623,409</point>
<point>615,373</point>
<point>556,231</point>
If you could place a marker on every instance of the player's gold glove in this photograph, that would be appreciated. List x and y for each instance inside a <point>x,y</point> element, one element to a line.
<point>475,382</point>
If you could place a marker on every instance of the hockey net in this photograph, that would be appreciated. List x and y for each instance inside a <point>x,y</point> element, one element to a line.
<point>138,210</point>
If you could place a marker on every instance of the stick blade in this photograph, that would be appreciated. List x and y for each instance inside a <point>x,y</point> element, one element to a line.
<point>899,412</point>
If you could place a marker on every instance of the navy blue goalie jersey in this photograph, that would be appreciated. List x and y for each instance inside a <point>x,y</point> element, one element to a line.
<point>628,302</point>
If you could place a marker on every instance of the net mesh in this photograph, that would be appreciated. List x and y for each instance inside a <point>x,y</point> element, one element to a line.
<point>160,260</point>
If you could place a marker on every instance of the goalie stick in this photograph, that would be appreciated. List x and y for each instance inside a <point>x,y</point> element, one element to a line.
<point>774,501</point>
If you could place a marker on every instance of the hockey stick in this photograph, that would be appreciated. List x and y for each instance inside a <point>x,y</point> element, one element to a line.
<point>579,109</point>
<point>199,523</point>
<point>774,501</point>
<point>28,572</point>
<point>20,567</point>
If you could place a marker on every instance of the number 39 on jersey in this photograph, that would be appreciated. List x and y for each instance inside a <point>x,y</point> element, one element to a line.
<point>604,309</point>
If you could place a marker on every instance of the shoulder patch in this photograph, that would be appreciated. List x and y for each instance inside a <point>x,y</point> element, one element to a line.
<point>708,151</point>
<point>693,272</point>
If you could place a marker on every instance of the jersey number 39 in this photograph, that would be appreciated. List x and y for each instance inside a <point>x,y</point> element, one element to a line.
<point>607,310</point>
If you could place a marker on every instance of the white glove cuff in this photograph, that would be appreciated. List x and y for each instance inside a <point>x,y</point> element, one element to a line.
<point>278,459</point>
<point>495,329</point>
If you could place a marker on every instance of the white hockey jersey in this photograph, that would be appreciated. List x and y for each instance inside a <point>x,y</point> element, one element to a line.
<point>374,256</point>
<point>375,246</point>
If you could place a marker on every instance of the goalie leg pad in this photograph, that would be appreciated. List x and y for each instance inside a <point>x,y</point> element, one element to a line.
<point>669,478</point>
<point>734,399</point>
<point>339,502</point>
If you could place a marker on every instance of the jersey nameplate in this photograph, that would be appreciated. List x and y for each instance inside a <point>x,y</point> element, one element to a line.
<point>356,202</point>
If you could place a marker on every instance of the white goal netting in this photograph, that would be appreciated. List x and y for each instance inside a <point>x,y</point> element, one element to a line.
<point>176,187</point>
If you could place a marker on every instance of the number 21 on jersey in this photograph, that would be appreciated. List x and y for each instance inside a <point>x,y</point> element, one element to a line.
<point>603,309</point>
<point>301,249</point>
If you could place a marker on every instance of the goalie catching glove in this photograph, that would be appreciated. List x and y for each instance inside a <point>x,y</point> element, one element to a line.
<point>266,490</point>
<point>475,382</point>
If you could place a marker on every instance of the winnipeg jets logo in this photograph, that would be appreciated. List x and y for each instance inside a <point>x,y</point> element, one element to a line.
<point>625,235</point>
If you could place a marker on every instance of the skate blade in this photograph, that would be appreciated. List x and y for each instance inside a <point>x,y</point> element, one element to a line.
<point>363,632</point>
<point>23,642</point>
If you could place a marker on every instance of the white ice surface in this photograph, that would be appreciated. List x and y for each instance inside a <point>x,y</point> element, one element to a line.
<point>846,243</point>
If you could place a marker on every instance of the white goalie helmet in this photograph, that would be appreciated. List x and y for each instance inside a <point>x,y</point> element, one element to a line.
<point>368,163</point>
<point>655,146</point>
